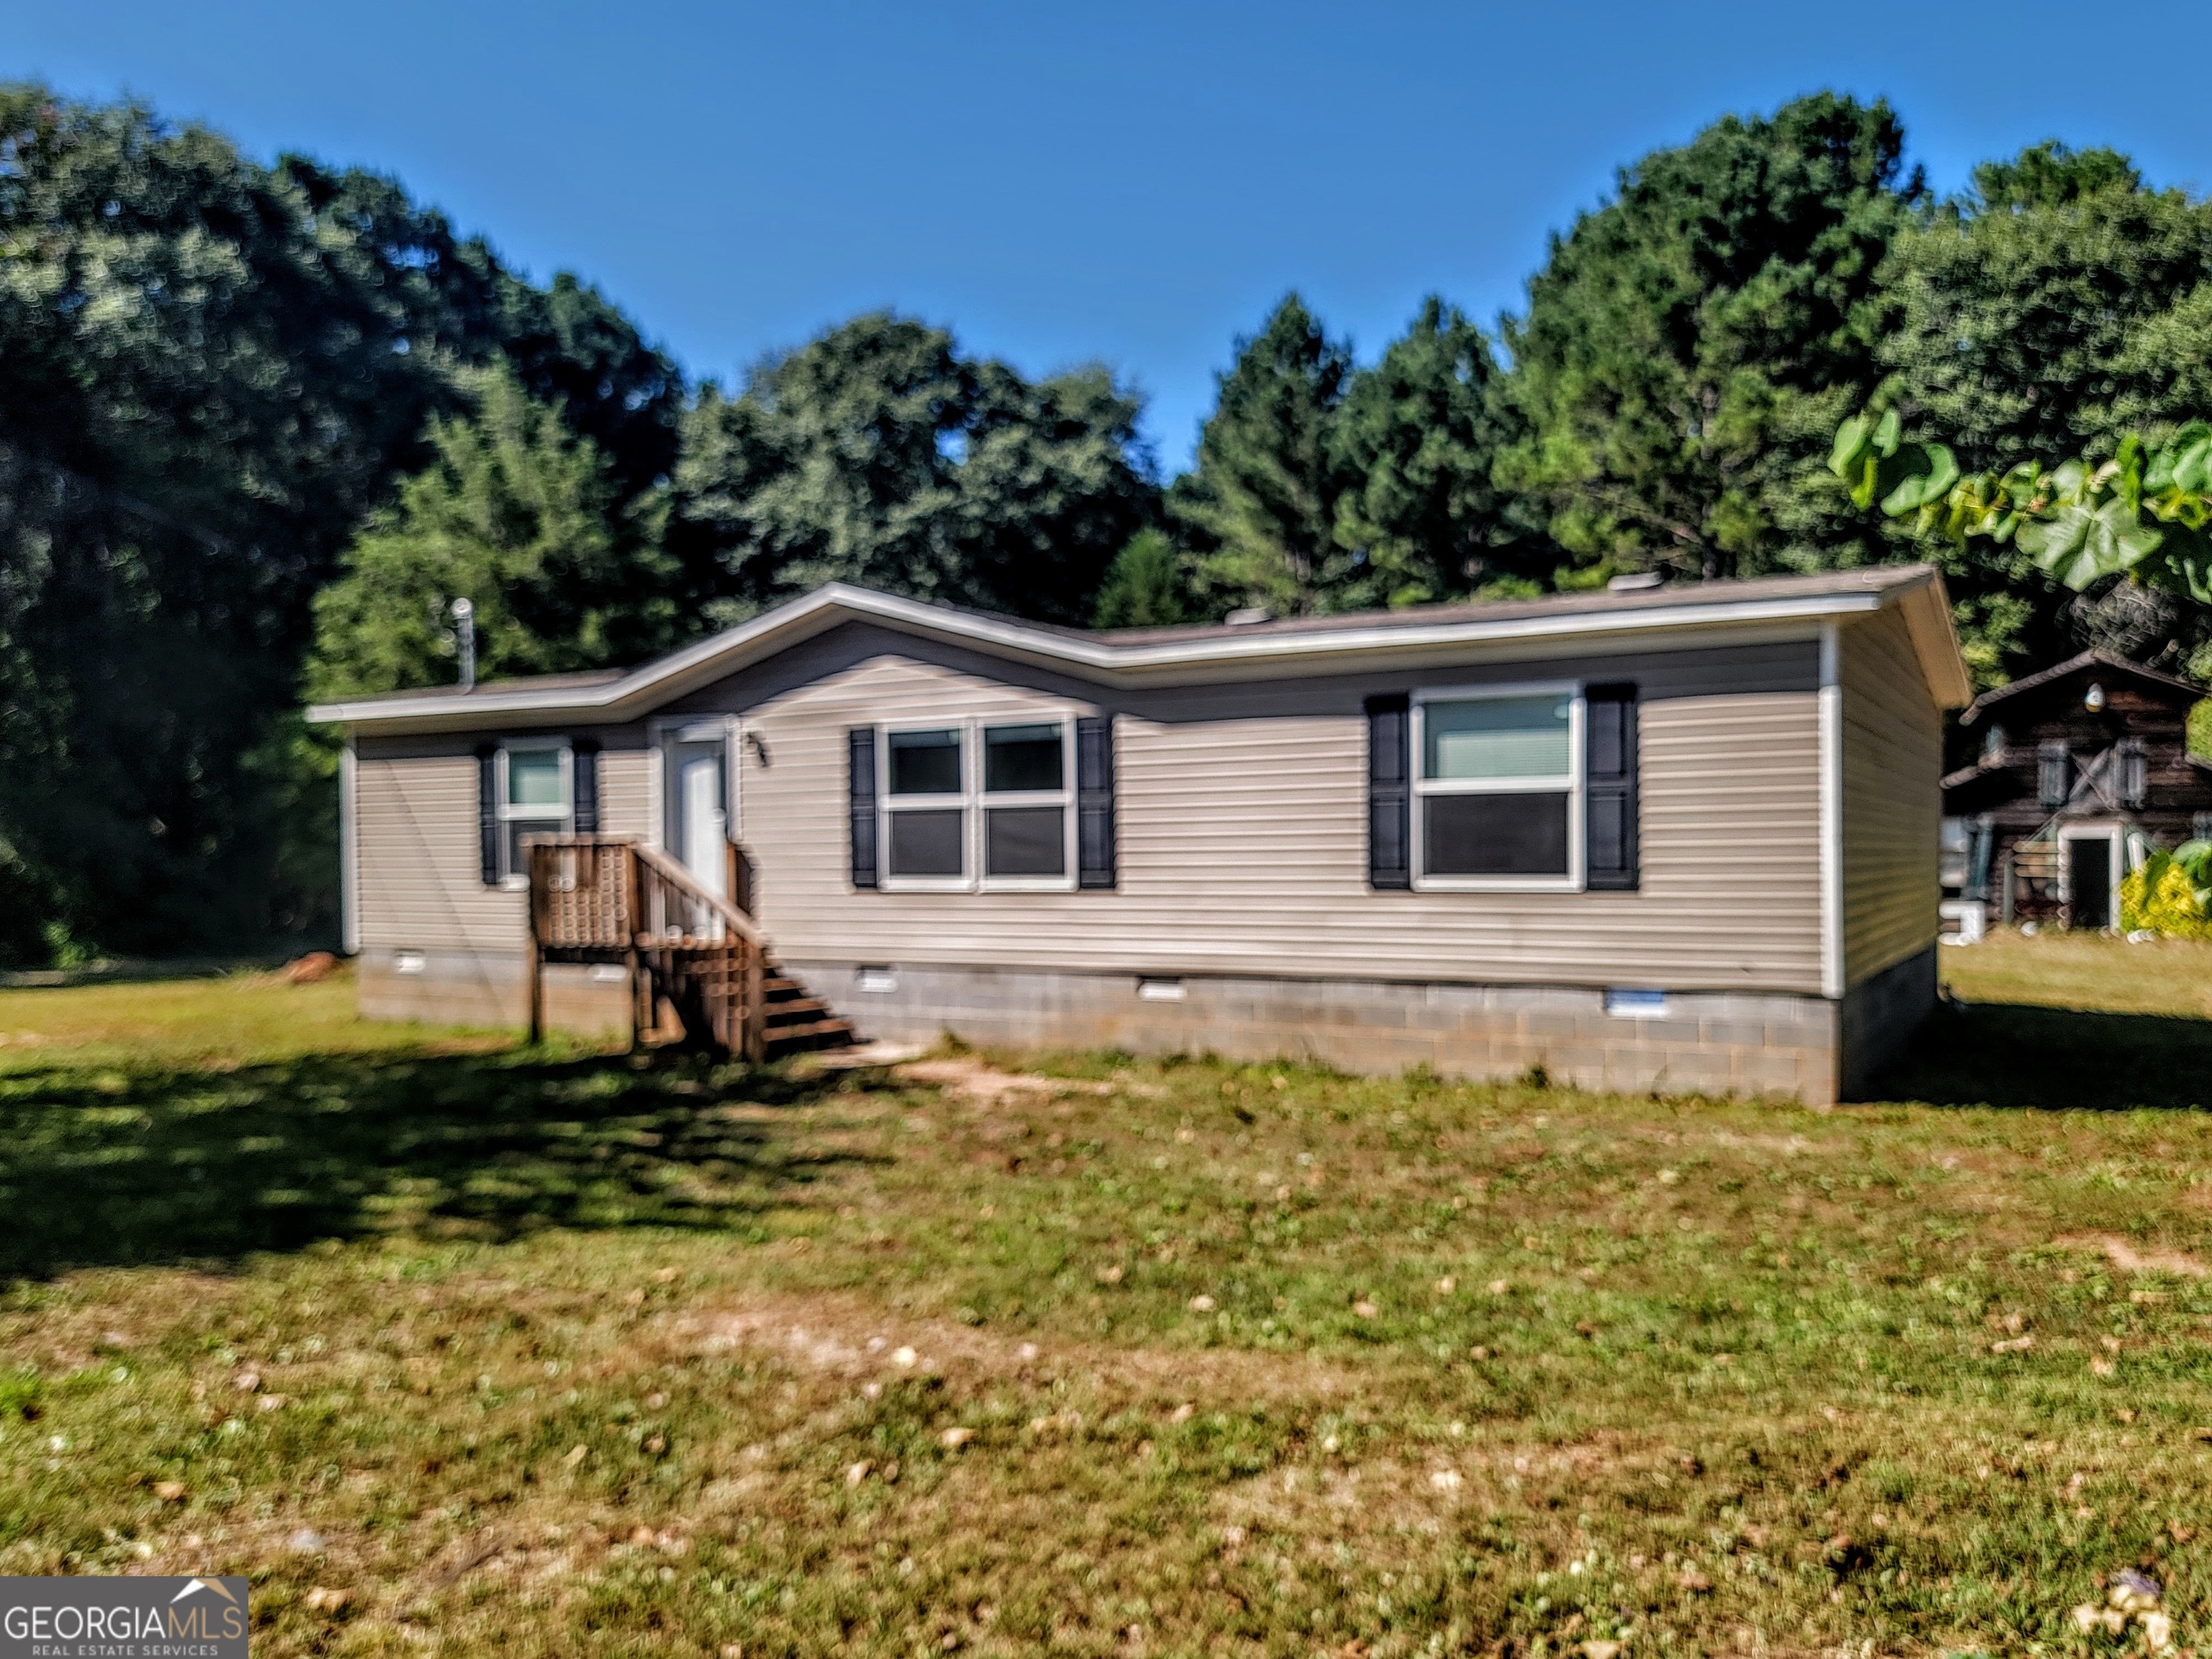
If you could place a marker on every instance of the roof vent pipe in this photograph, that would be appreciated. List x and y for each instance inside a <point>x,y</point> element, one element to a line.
<point>464,640</point>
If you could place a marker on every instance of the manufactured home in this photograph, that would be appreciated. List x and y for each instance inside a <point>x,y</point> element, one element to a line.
<point>1672,837</point>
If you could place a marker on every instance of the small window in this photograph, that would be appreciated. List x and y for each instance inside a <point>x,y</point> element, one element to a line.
<point>536,797</point>
<point>1497,786</point>
<point>2054,775</point>
<point>925,763</point>
<point>1954,843</point>
<point>2133,767</point>
<point>927,829</point>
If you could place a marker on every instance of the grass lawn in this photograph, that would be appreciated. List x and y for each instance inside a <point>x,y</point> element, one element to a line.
<point>451,1345</point>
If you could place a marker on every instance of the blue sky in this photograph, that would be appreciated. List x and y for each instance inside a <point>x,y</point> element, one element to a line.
<point>1134,183</point>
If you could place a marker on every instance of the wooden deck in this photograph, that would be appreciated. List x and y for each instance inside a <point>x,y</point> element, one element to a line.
<point>691,954</point>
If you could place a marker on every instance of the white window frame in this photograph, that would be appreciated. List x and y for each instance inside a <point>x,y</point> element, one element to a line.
<point>973,802</point>
<point>1063,798</point>
<point>560,820</point>
<point>1424,786</point>
<point>888,803</point>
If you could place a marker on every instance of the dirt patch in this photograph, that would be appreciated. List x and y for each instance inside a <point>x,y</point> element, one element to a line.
<point>853,1338</point>
<point>981,1084</point>
<point>2129,1260</point>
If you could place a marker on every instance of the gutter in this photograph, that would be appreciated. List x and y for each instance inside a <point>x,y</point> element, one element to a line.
<point>657,682</point>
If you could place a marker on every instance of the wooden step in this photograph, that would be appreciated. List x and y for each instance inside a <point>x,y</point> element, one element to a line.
<point>794,1009</point>
<point>801,1039</point>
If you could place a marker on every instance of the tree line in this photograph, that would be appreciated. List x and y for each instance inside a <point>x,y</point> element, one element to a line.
<point>260,424</point>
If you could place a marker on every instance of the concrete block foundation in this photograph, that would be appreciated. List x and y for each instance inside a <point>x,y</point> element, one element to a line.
<point>1699,1042</point>
<point>491,988</point>
<point>1732,1042</point>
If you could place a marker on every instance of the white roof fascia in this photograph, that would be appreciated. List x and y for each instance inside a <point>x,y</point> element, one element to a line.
<point>1935,642</point>
<point>659,682</point>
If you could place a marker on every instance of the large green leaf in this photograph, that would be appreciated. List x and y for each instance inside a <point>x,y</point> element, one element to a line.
<point>1846,459</point>
<point>1933,470</point>
<point>2078,542</point>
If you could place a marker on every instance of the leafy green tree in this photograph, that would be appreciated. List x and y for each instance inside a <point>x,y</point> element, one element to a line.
<point>1145,587</point>
<point>2022,308</point>
<point>2056,309</point>
<point>1417,437</point>
<point>1260,506</point>
<point>1689,347</point>
<point>878,453</point>
<point>210,371</point>
<point>524,519</point>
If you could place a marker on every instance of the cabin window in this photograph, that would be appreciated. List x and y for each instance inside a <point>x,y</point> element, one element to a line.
<point>1497,786</point>
<point>979,805</point>
<point>2054,775</point>
<point>536,797</point>
<point>1954,842</point>
<point>2133,768</point>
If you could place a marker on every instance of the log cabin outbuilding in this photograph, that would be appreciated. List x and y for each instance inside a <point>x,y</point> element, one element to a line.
<point>2080,770</point>
<point>1663,838</point>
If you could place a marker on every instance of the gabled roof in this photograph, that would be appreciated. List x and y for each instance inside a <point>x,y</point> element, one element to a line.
<point>2104,661</point>
<point>1292,646</point>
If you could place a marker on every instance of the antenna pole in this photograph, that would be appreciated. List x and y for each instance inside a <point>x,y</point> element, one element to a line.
<point>464,640</point>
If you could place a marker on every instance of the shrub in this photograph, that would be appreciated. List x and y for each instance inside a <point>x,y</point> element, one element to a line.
<point>2171,893</point>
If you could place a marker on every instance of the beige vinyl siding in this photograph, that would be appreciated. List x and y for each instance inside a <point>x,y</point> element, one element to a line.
<point>626,786</point>
<point>1243,839</point>
<point>422,883</point>
<point>1893,755</point>
<point>422,880</point>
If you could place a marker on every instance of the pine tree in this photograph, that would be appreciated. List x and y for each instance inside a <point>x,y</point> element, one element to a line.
<point>1689,347</point>
<point>1260,506</point>
<point>1417,438</point>
<point>1145,587</point>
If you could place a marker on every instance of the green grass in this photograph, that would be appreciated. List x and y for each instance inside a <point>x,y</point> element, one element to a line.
<point>566,1353</point>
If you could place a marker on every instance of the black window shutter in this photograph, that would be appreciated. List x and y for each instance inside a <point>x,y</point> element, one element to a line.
<point>1094,802</point>
<point>1609,782</point>
<point>584,759</point>
<point>487,811</point>
<point>860,743</point>
<point>1389,792</point>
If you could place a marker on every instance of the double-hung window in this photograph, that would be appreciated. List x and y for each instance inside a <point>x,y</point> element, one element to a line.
<point>979,805</point>
<point>1497,784</point>
<point>1026,823</point>
<point>536,797</point>
<point>926,805</point>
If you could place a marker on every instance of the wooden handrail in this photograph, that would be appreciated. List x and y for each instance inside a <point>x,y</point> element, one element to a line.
<point>679,877</point>
<point>596,895</point>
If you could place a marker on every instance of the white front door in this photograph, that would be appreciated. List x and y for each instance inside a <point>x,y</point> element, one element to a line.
<point>702,825</point>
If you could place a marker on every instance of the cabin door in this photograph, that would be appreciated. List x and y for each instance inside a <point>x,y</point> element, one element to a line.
<point>698,802</point>
<point>2089,881</point>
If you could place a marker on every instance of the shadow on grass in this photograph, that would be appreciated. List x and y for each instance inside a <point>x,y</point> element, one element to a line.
<point>109,1168</point>
<point>2017,1054</point>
